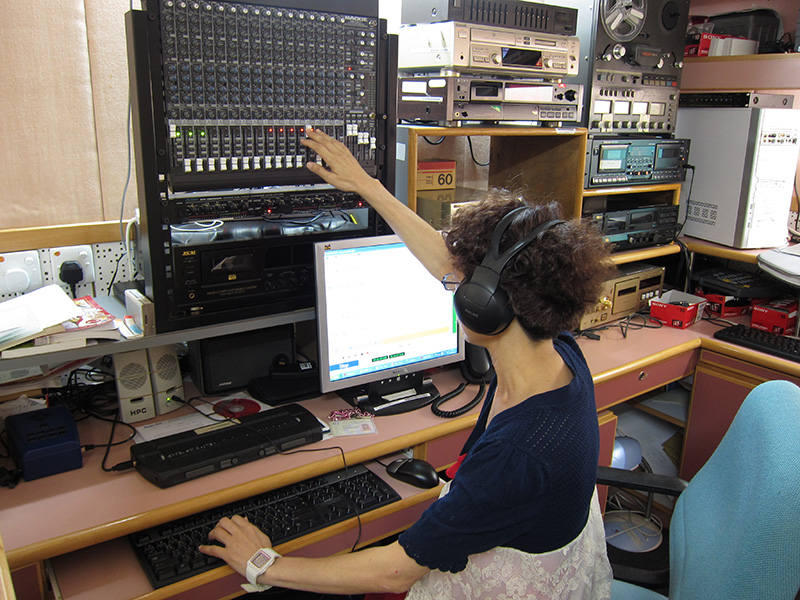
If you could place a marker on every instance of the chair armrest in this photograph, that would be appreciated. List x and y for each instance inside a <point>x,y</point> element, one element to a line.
<point>639,480</point>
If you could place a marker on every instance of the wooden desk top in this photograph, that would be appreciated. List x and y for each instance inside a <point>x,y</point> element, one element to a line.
<point>64,512</point>
<point>68,511</point>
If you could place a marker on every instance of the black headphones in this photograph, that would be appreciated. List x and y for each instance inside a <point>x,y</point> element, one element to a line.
<point>480,303</point>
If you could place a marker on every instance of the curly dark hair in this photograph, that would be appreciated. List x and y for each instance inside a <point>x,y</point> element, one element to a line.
<point>553,281</point>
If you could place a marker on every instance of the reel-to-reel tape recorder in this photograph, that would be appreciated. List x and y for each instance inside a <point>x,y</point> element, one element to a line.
<point>632,61</point>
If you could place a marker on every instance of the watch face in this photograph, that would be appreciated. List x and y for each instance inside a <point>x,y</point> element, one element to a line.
<point>260,559</point>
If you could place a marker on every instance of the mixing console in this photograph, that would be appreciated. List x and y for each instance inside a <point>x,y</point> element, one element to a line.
<point>243,83</point>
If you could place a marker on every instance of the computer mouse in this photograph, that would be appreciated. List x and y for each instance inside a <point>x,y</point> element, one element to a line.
<point>414,471</point>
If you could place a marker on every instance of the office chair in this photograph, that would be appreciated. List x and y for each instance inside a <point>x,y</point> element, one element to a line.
<point>735,530</point>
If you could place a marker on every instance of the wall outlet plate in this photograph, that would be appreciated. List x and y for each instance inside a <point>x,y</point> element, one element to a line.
<point>20,272</point>
<point>80,254</point>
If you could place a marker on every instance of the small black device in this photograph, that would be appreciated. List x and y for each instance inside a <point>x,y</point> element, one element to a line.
<point>725,99</point>
<point>737,283</point>
<point>480,303</point>
<point>181,457</point>
<point>477,364</point>
<point>286,382</point>
<point>414,471</point>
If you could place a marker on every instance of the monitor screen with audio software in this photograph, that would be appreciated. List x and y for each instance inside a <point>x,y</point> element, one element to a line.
<point>382,321</point>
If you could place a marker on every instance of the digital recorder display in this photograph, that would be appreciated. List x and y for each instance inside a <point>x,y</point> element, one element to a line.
<point>522,58</point>
<point>612,158</point>
<point>668,156</point>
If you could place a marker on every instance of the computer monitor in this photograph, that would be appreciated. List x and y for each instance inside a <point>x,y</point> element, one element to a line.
<point>382,321</point>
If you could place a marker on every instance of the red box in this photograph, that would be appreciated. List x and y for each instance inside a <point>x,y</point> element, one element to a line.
<point>677,309</point>
<point>778,316</point>
<point>697,44</point>
<point>723,306</point>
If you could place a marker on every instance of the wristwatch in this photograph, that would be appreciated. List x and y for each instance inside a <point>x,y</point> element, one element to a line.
<point>257,566</point>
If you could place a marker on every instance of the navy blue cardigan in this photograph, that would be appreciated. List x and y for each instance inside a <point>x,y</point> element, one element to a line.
<point>526,481</point>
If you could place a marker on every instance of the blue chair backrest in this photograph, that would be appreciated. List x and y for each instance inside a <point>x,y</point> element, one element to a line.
<point>735,531</point>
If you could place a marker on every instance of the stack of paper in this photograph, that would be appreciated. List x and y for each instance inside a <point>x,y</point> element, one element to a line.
<point>48,320</point>
<point>37,313</point>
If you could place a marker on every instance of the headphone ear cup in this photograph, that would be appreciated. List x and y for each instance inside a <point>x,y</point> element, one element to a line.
<point>482,311</point>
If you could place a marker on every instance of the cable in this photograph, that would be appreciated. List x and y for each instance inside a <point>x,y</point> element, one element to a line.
<point>134,272</point>
<point>684,260</point>
<point>125,465</point>
<point>624,325</point>
<point>436,143</point>
<point>472,153</point>
<point>114,275</point>
<point>450,414</point>
<point>688,200</point>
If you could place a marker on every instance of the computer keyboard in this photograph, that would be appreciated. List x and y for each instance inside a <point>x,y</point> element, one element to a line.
<point>168,553</point>
<point>763,341</point>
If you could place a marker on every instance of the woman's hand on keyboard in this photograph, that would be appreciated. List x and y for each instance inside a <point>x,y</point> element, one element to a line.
<point>240,539</point>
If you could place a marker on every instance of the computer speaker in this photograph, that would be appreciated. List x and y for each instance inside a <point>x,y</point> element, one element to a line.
<point>134,389</point>
<point>166,379</point>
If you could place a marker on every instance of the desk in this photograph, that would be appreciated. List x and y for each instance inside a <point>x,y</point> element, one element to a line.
<point>83,516</point>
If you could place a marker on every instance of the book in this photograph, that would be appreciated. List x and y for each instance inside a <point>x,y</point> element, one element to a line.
<point>92,319</point>
<point>37,313</point>
<point>38,346</point>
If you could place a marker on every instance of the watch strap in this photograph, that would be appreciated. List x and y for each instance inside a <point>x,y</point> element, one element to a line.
<point>253,571</point>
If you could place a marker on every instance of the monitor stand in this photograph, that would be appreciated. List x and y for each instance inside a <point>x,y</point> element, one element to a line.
<point>392,396</point>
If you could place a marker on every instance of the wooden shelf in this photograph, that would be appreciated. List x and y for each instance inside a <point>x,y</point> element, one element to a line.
<point>543,162</point>
<point>748,72</point>
<point>636,189</point>
<point>629,256</point>
<point>719,251</point>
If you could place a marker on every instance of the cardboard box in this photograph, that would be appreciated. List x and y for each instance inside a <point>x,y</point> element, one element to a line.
<point>720,305</point>
<point>436,174</point>
<point>778,316</point>
<point>677,309</point>
<point>698,44</point>
<point>437,207</point>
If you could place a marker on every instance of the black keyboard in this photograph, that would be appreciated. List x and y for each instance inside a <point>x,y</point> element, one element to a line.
<point>168,553</point>
<point>221,445</point>
<point>763,341</point>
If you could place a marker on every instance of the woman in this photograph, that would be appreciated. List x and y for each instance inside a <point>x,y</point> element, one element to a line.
<point>515,522</point>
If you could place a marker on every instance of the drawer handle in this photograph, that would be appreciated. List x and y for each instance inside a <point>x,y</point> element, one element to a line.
<point>642,375</point>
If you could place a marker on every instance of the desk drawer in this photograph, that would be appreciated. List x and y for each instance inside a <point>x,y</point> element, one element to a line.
<point>444,451</point>
<point>637,382</point>
<point>740,367</point>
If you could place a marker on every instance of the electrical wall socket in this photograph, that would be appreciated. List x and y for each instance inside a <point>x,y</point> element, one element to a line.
<point>20,272</point>
<point>80,254</point>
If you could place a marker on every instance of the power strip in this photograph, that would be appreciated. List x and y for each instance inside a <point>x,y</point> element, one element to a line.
<point>108,260</point>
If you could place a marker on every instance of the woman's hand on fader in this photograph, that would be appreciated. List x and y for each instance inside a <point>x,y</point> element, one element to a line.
<point>343,170</point>
<point>240,539</point>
